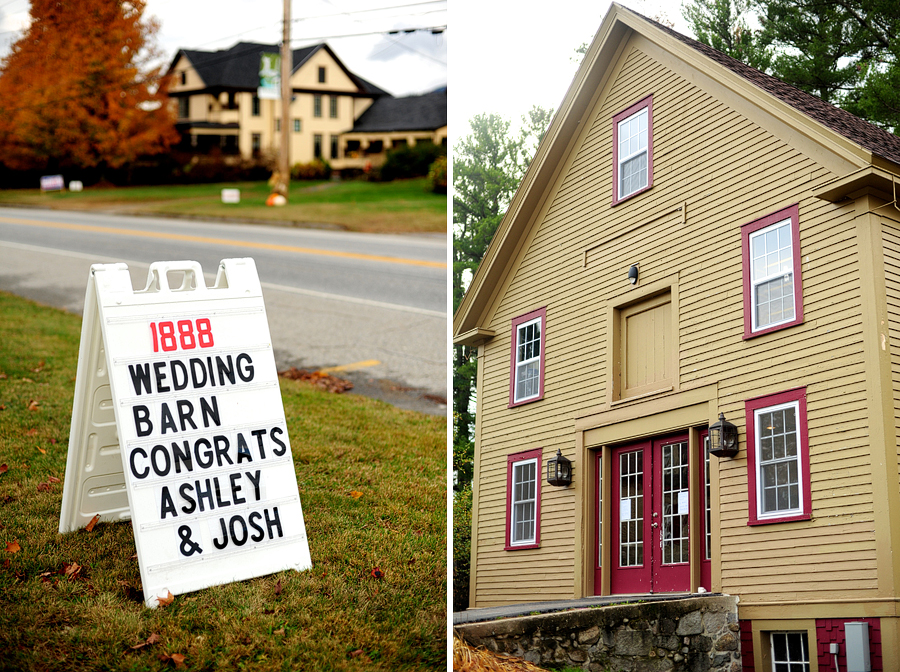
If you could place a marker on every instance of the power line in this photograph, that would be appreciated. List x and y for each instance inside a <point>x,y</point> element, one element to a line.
<point>369,11</point>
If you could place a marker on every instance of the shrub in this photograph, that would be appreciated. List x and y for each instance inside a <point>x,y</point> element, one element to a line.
<point>462,540</point>
<point>437,175</point>
<point>414,161</point>
<point>317,169</point>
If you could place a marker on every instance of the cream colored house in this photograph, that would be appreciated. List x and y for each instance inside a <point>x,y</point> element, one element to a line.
<point>219,109</point>
<point>695,238</point>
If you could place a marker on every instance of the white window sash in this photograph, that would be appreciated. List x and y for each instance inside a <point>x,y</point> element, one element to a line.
<point>625,158</point>
<point>522,364</point>
<point>760,514</point>
<point>514,520</point>
<point>756,281</point>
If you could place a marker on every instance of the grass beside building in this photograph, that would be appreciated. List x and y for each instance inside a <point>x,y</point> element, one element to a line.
<point>373,485</point>
<point>401,206</point>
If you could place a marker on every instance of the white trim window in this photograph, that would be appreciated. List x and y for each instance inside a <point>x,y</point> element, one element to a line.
<point>779,490</point>
<point>790,651</point>
<point>523,509</point>
<point>633,154</point>
<point>528,360</point>
<point>772,275</point>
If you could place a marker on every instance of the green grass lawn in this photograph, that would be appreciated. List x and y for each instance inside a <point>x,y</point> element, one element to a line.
<point>401,206</point>
<point>373,484</point>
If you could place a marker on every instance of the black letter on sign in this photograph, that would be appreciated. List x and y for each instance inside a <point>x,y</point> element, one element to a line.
<point>274,522</point>
<point>187,547</point>
<point>140,377</point>
<point>142,420</point>
<point>168,506</point>
<point>234,537</point>
<point>256,527</point>
<point>134,470</point>
<point>278,441</point>
<point>224,541</point>
<point>245,372</point>
<point>167,421</point>
<point>179,367</point>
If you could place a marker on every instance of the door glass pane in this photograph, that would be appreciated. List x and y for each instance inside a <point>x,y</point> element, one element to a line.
<point>706,502</point>
<point>631,509</point>
<point>674,540</point>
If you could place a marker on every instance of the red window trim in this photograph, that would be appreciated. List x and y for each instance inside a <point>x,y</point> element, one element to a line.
<point>793,213</point>
<point>751,405</point>
<point>647,102</point>
<point>542,313</point>
<point>510,461</point>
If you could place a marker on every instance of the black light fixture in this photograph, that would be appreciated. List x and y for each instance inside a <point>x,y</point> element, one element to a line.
<point>559,470</point>
<point>633,274</point>
<point>723,438</point>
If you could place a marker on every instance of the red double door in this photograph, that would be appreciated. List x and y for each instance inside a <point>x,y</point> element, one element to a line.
<point>650,533</point>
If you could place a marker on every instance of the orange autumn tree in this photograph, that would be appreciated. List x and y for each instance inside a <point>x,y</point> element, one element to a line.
<point>76,89</point>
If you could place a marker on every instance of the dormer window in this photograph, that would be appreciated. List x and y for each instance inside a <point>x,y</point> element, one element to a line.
<point>321,75</point>
<point>633,150</point>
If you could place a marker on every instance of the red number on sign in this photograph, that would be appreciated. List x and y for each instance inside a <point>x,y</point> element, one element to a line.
<point>164,335</point>
<point>186,332</point>
<point>204,331</point>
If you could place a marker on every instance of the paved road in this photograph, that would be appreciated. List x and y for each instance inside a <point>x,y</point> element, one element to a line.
<point>373,305</point>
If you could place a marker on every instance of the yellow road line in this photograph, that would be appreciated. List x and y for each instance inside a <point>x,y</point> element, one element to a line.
<point>225,241</point>
<point>350,367</point>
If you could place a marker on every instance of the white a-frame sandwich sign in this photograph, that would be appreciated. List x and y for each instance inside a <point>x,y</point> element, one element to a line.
<point>178,424</point>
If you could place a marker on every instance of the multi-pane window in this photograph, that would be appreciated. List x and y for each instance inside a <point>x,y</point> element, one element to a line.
<point>334,146</point>
<point>317,146</point>
<point>790,651</point>
<point>254,110</point>
<point>633,150</point>
<point>778,458</point>
<point>296,125</point>
<point>526,375</point>
<point>333,107</point>
<point>321,74</point>
<point>772,283</point>
<point>772,275</point>
<point>631,509</point>
<point>708,529</point>
<point>778,452</point>
<point>523,508</point>
<point>184,108</point>
<point>675,541</point>
<point>317,105</point>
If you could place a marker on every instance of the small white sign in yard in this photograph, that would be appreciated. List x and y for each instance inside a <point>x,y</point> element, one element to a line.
<point>178,424</point>
<point>231,195</point>
<point>52,183</point>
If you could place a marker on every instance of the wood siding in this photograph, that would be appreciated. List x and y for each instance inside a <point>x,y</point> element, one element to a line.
<point>891,248</point>
<point>729,171</point>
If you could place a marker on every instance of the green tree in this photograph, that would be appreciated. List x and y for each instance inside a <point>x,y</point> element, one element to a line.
<point>723,25</point>
<point>487,167</point>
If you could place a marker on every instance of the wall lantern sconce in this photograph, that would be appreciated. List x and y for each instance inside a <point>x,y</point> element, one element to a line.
<point>633,274</point>
<point>723,438</point>
<point>559,470</point>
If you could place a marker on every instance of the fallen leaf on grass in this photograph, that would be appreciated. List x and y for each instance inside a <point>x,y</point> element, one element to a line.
<point>31,432</point>
<point>151,640</point>
<point>176,658</point>
<point>377,573</point>
<point>72,571</point>
<point>13,547</point>
<point>319,379</point>
<point>4,468</point>
<point>40,367</point>
<point>356,654</point>
<point>2,407</point>
<point>27,380</point>
<point>166,601</point>
<point>33,404</point>
<point>52,440</point>
<point>2,376</point>
<point>90,526</point>
<point>356,494</point>
<point>278,588</point>
<point>280,631</point>
<point>43,452</point>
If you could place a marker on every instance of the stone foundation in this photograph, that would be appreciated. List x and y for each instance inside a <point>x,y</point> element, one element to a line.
<point>696,634</point>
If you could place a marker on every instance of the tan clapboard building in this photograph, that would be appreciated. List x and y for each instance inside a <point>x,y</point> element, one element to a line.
<point>695,238</point>
<point>219,109</point>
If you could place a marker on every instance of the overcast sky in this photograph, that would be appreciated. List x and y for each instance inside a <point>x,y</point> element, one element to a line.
<point>403,64</point>
<point>505,61</point>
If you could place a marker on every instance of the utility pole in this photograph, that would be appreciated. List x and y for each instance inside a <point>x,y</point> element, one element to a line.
<point>287,65</point>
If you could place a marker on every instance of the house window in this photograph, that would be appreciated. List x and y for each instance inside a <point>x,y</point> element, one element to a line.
<point>321,75</point>
<point>278,125</point>
<point>523,500</point>
<point>633,150</point>
<point>773,294</point>
<point>296,125</point>
<point>255,110</point>
<point>317,146</point>
<point>317,105</point>
<point>332,107</point>
<point>527,359</point>
<point>334,146</point>
<point>183,78</point>
<point>790,651</point>
<point>183,108</point>
<point>256,143</point>
<point>778,458</point>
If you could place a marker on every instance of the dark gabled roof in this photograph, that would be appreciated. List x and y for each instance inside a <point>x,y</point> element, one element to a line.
<point>238,67</point>
<point>413,113</point>
<point>868,136</point>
